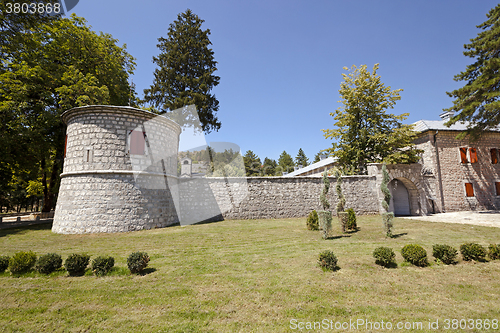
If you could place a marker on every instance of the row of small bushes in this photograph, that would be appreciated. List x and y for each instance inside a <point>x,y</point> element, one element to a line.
<point>312,221</point>
<point>416,254</point>
<point>75,264</point>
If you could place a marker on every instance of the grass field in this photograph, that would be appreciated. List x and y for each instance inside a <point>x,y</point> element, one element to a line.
<point>249,276</point>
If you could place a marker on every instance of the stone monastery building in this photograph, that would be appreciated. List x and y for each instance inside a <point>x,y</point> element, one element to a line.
<point>120,174</point>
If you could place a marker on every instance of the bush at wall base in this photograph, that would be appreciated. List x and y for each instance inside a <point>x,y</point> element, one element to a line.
<point>388,224</point>
<point>4,263</point>
<point>325,223</point>
<point>473,251</point>
<point>312,221</point>
<point>351,221</point>
<point>415,254</point>
<point>22,262</point>
<point>137,262</point>
<point>445,253</point>
<point>48,263</point>
<point>328,261</point>
<point>102,265</point>
<point>384,256</point>
<point>76,264</point>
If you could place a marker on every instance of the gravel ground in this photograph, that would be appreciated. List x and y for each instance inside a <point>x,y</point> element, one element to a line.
<point>488,218</point>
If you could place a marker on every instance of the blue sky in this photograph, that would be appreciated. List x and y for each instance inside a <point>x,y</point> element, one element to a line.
<point>280,62</point>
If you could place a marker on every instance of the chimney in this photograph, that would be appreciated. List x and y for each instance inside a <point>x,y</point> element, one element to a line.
<point>445,116</point>
<point>322,157</point>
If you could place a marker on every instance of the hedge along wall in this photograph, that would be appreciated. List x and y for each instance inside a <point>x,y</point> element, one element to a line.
<point>278,197</point>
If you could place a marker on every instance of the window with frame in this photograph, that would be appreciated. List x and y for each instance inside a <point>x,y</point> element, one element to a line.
<point>497,188</point>
<point>469,190</point>
<point>463,155</point>
<point>473,155</point>
<point>137,142</point>
<point>494,155</point>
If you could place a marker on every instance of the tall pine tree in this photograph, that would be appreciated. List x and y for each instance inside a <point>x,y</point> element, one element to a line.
<point>252,164</point>
<point>301,158</point>
<point>269,167</point>
<point>186,73</point>
<point>285,162</point>
<point>478,102</point>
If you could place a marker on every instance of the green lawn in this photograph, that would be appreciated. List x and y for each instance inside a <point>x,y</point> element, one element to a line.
<point>248,275</point>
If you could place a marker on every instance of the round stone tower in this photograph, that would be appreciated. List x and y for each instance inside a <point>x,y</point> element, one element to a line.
<point>120,171</point>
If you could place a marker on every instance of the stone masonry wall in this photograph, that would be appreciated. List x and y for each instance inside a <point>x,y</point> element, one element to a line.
<point>279,197</point>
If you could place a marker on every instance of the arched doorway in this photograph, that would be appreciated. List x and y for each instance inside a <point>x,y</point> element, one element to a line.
<point>400,200</point>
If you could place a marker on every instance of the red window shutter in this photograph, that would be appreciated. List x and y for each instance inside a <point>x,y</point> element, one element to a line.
<point>463,155</point>
<point>469,190</point>
<point>65,144</point>
<point>473,155</point>
<point>494,156</point>
<point>137,143</point>
<point>497,185</point>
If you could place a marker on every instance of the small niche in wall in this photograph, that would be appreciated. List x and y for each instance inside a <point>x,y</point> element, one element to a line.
<point>88,155</point>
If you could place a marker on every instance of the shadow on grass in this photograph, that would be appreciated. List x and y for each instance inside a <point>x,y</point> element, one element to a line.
<point>330,270</point>
<point>389,265</point>
<point>353,231</point>
<point>147,271</point>
<point>337,237</point>
<point>12,228</point>
<point>399,235</point>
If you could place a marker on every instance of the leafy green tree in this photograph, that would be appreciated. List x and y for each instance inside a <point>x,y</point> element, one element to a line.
<point>186,73</point>
<point>285,163</point>
<point>301,158</point>
<point>478,102</point>
<point>253,165</point>
<point>365,132</point>
<point>13,27</point>
<point>269,167</point>
<point>59,64</point>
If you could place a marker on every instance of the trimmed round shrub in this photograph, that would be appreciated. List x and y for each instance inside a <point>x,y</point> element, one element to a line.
<point>22,262</point>
<point>312,221</point>
<point>384,256</point>
<point>48,263</point>
<point>494,251</point>
<point>445,253</point>
<point>327,261</point>
<point>415,254</point>
<point>102,265</point>
<point>473,251</point>
<point>76,264</point>
<point>351,219</point>
<point>137,262</point>
<point>4,263</point>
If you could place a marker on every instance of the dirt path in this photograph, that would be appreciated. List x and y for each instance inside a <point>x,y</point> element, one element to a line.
<point>489,218</point>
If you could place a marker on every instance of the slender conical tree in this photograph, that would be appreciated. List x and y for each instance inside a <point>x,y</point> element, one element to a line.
<point>285,162</point>
<point>301,158</point>
<point>252,164</point>
<point>478,102</point>
<point>186,73</point>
